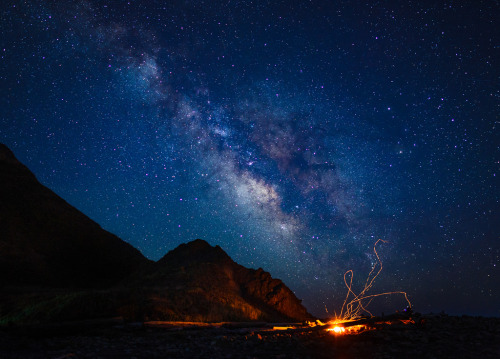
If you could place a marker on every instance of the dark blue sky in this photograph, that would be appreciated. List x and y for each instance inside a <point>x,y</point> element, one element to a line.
<point>293,134</point>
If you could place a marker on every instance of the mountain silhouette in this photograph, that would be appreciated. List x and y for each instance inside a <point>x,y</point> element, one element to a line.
<point>203,281</point>
<point>46,241</point>
<point>62,259</point>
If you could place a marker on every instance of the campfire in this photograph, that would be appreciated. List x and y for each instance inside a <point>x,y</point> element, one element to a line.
<point>339,328</point>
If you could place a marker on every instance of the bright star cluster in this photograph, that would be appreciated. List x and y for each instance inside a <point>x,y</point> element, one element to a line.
<point>293,134</point>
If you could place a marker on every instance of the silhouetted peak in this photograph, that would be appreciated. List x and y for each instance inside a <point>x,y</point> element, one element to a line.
<point>197,267</point>
<point>198,250</point>
<point>197,244</point>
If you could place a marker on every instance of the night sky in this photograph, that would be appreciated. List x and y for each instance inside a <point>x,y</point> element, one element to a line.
<point>293,134</point>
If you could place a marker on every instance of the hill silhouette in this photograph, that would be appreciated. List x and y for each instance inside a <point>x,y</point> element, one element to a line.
<point>57,264</point>
<point>45,241</point>
<point>202,281</point>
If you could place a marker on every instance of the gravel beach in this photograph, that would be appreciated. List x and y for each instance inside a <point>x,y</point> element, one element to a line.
<point>435,336</point>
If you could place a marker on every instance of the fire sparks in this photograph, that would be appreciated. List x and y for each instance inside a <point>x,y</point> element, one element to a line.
<point>354,308</point>
<point>355,305</point>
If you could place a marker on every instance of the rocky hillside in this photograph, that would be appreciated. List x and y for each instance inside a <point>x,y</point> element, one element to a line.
<point>201,281</point>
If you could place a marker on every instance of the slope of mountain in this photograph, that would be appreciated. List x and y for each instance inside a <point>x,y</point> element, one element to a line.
<point>202,281</point>
<point>45,241</point>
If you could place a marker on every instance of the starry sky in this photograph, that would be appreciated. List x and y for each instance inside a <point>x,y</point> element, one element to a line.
<point>293,134</point>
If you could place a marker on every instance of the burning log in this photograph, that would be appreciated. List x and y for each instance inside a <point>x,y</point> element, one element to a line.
<point>360,325</point>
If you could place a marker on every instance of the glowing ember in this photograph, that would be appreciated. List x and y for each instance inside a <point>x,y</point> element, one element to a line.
<point>407,321</point>
<point>338,327</point>
<point>337,330</point>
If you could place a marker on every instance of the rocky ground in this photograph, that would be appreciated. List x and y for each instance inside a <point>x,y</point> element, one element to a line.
<point>436,336</point>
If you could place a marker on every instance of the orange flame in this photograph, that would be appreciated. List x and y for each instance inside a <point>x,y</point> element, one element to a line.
<point>338,328</point>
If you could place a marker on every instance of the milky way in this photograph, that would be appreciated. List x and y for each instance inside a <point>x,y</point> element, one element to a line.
<point>293,134</point>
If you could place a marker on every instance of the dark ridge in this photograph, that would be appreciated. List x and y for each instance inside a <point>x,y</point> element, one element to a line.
<point>198,267</point>
<point>197,251</point>
<point>46,241</point>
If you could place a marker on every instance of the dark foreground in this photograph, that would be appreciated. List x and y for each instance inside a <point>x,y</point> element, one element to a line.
<point>435,337</point>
